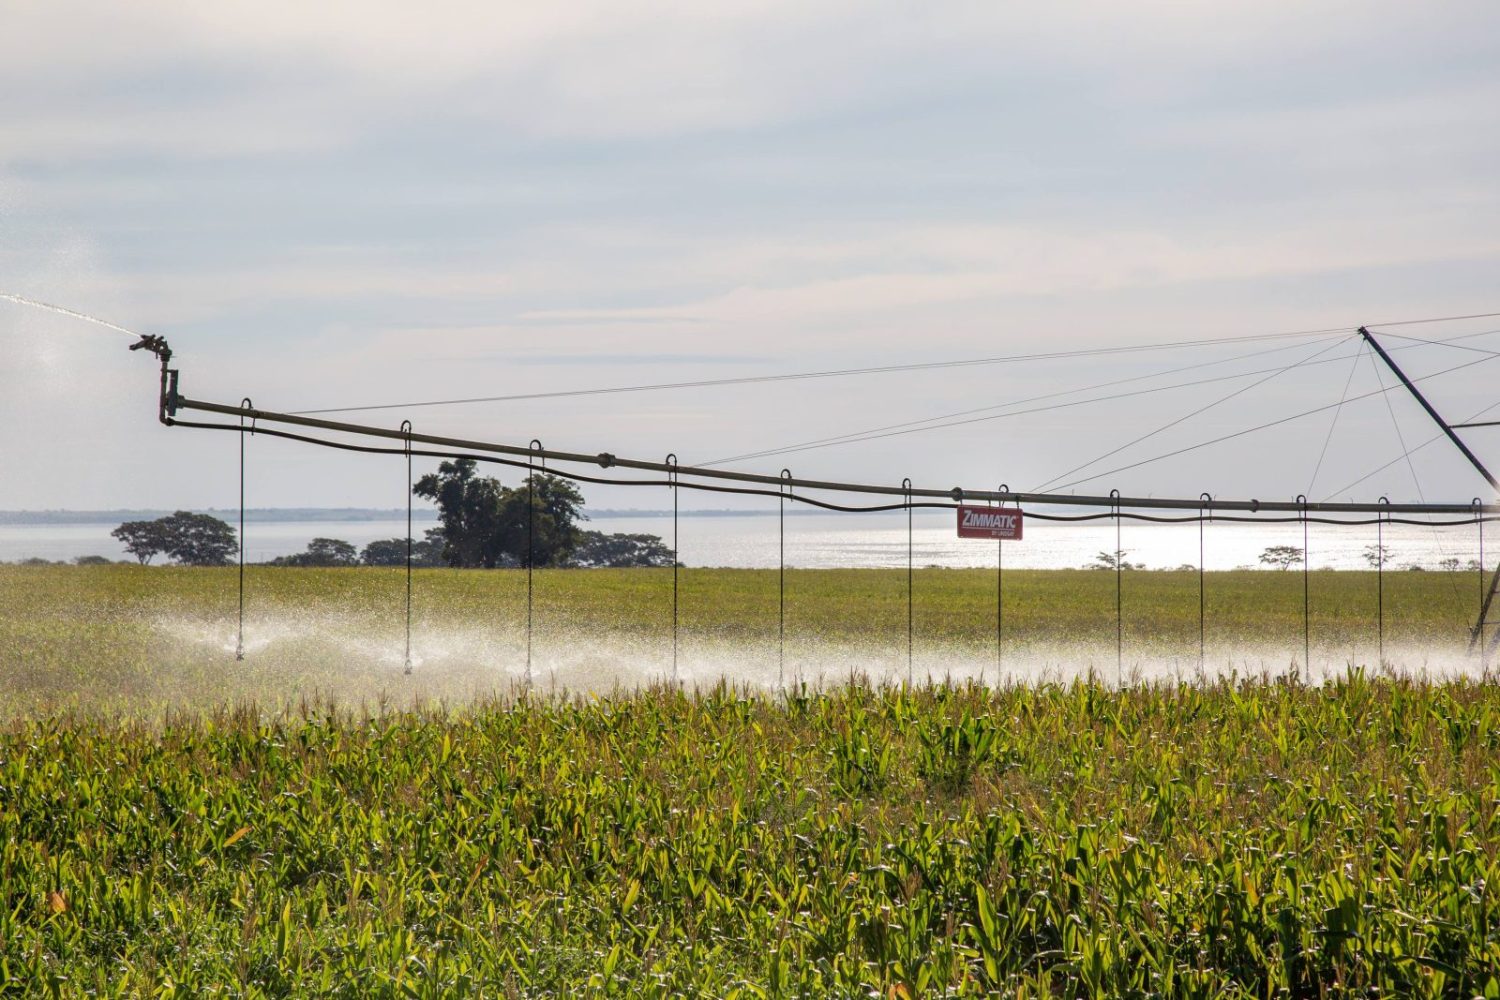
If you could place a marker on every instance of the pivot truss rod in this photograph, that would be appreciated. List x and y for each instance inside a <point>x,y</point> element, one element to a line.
<point>172,402</point>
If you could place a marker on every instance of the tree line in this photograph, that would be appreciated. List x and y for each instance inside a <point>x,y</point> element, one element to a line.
<point>482,525</point>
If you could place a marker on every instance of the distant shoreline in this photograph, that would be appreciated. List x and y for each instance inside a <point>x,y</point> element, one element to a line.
<point>271,515</point>
<point>259,514</point>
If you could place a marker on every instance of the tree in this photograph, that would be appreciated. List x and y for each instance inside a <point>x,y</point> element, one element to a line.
<point>323,552</point>
<point>1281,556</point>
<point>548,535</point>
<point>331,552</point>
<point>1106,560</point>
<point>596,549</point>
<point>191,539</point>
<point>469,509</point>
<point>143,539</point>
<point>91,561</point>
<point>198,539</point>
<point>1377,555</point>
<point>425,551</point>
<point>486,524</point>
<point>386,552</point>
<point>1450,564</point>
<point>428,550</point>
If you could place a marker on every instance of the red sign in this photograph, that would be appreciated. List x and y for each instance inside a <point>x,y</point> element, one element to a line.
<point>989,522</point>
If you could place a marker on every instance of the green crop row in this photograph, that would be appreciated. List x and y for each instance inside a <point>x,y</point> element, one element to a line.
<point>1232,839</point>
<point>125,638</point>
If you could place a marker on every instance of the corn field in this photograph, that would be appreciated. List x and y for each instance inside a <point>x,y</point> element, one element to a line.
<point>1254,837</point>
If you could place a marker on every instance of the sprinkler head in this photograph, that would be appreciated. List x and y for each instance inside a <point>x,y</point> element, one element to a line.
<point>155,344</point>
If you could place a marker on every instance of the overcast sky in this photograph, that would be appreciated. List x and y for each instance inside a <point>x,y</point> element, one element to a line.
<point>349,203</point>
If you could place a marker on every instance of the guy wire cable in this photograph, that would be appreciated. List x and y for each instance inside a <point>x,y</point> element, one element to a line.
<point>853,437</point>
<point>1260,427</point>
<point>894,430</point>
<point>1441,343</point>
<point>1333,424</point>
<point>917,366</point>
<point>830,373</point>
<point>1188,416</point>
<point>1430,441</point>
<point>1133,393</point>
<point>1406,453</point>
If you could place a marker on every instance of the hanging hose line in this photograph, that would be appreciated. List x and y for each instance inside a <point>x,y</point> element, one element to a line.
<point>239,642</point>
<point>406,429</point>
<point>781,583</point>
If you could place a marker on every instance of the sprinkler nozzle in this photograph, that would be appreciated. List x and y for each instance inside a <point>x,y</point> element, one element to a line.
<point>155,344</point>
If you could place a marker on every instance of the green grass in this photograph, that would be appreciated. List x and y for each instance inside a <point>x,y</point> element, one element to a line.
<point>124,638</point>
<point>1242,839</point>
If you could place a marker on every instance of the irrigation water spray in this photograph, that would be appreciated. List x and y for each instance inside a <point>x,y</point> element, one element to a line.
<point>65,311</point>
<point>343,657</point>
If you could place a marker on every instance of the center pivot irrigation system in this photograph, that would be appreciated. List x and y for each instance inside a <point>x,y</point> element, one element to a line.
<point>1484,636</point>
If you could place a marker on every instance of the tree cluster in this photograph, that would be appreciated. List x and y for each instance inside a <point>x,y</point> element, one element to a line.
<point>486,524</point>
<point>334,552</point>
<point>322,552</point>
<point>1281,556</point>
<point>425,551</point>
<point>187,538</point>
<point>1111,560</point>
<point>596,550</point>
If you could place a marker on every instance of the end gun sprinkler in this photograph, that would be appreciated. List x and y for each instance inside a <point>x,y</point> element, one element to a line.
<point>167,399</point>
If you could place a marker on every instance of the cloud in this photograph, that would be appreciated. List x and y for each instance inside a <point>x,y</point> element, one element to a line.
<point>357,201</point>
<point>241,77</point>
<point>309,79</point>
<point>903,270</point>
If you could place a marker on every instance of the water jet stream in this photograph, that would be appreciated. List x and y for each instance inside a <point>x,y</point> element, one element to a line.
<point>64,311</point>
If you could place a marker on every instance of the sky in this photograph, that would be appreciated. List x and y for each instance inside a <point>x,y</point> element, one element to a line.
<point>365,203</point>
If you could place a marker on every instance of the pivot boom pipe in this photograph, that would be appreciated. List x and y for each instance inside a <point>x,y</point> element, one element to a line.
<point>607,460</point>
<point>171,402</point>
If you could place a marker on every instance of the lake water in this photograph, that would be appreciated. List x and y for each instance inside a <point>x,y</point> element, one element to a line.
<point>862,540</point>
